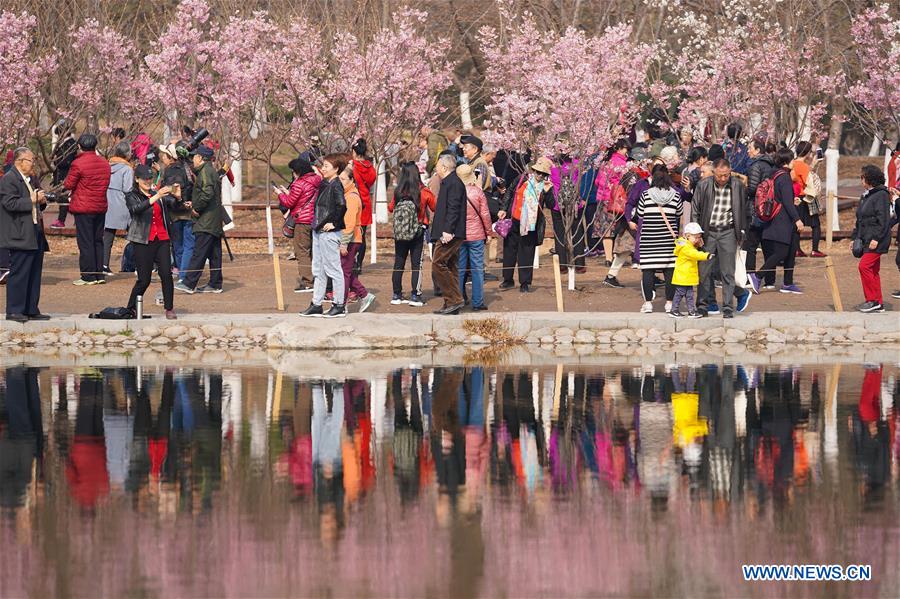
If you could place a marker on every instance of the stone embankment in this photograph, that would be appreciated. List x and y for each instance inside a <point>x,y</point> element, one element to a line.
<point>389,331</point>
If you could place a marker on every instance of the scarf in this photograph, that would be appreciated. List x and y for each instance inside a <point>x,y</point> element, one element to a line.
<point>530,207</point>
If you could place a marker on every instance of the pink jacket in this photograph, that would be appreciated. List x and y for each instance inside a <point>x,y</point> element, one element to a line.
<point>609,176</point>
<point>478,218</point>
<point>301,201</point>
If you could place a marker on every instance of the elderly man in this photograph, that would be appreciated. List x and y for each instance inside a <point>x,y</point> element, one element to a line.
<point>448,232</point>
<point>720,208</point>
<point>206,202</point>
<point>472,148</point>
<point>22,233</point>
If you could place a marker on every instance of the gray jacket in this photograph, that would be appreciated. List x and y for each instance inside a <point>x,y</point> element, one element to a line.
<point>705,197</point>
<point>17,229</point>
<point>120,183</point>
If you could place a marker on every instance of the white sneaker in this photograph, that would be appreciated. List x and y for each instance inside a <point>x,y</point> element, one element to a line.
<point>668,306</point>
<point>366,302</point>
<point>647,308</point>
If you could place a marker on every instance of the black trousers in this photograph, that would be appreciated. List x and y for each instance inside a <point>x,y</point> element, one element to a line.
<point>518,250</point>
<point>778,253</point>
<point>361,252</point>
<point>23,288</point>
<point>89,235</point>
<point>578,238</point>
<point>206,247</point>
<point>145,256</point>
<point>4,259</point>
<point>814,221</point>
<point>411,249</point>
<point>648,283</point>
<point>752,239</point>
<point>109,237</point>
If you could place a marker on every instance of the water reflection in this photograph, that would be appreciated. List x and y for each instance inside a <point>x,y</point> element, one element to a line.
<point>447,481</point>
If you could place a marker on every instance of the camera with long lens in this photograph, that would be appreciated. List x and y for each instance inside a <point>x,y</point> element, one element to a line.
<point>184,149</point>
<point>57,196</point>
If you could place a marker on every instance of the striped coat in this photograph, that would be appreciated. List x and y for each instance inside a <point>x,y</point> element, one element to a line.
<point>657,245</point>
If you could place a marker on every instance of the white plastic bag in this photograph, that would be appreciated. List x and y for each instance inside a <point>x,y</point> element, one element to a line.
<point>740,270</point>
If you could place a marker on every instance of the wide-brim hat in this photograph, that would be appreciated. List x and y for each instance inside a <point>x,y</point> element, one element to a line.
<point>542,165</point>
<point>466,174</point>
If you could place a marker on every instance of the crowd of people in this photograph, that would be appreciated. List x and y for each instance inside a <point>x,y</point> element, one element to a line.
<point>690,217</point>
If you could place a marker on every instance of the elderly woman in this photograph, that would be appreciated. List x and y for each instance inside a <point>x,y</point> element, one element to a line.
<point>121,181</point>
<point>873,230</point>
<point>478,229</point>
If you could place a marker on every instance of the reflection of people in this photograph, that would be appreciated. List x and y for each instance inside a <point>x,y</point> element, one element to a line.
<point>21,434</point>
<point>408,434</point>
<point>86,470</point>
<point>327,422</point>
<point>871,438</point>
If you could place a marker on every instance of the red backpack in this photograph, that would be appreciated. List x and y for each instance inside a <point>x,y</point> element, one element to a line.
<point>765,204</point>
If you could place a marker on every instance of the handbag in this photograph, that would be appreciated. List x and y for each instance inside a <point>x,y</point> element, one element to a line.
<point>502,227</point>
<point>857,248</point>
<point>287,229</point>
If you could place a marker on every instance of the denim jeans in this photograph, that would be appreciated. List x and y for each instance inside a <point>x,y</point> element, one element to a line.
<point>183,244</point>
<point>471,263</point>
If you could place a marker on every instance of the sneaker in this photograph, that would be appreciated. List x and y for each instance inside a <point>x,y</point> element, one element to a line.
<point>743,301</point>
<point>676,314</point>
<point>694,315</point>
<point>183,288</point>
<point>647,308</point>
<point>366,302</point>
<point>312,311</point>
<point>800,254</point>
<point>727,312</point>
<point>398,299</point>
<point>870,307</point>
<point>769,287</point>
<point>208,289</point>
<point>700,313</point>
<point>291,257</point>
<point>3,276</point>
<point>524,288</point>
<point>170,315</point>
<point>505,285</point>
<point>818,254</point>
<point>896,294</point>
<point>158,300</point>
<point>57,224</point>
<point>635,266</point>
<point>668,307</point>
<point>613,282</point>
<point>712,308</point>
<point>303,288</point>
<point>98,282</point>
<point>337,311</point>
<point>791,289</point>
<point>82,282</point>
<point>352,298</point>
<point>107,271</point>
<point>416,300</point>
<point>754,282</point>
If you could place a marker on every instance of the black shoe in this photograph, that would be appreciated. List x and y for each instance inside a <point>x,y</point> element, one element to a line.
<point>38,316</point>
<point>896,294</point>
<point>524,288</point>
<point>489,276</point>
<point>701,313</point>
<point>613,282</point>
<point>480,308</point>
<point>337,311</point>
<point>506,285</point>
<point>4,275</point>
<point>450,310</point>
<point>608,263</point>
<point>727,313</point>
<point>658,282</point>
<point>21,318</point>
<point>313,310</point>
<point>438,293</point>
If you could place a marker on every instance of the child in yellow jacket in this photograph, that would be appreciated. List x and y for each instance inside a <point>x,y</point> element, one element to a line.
<point>687,274</point>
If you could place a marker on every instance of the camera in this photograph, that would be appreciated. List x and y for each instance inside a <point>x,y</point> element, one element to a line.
<point>56,197</point>
<point>198,136</point>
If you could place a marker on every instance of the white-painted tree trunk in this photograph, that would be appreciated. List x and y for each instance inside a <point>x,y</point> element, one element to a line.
<point>232,193</point>
<point>171,117</point>
<point>875,148</point>
<point>887,162</point>
<point>465,109</point>
<point>571,278</point>
<point>804,130</point>
<point>237,170</point>
<point>832,157</point>
<point>379,210</point>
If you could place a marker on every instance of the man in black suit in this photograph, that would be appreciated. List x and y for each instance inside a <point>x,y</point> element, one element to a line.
<point>22,233</point>
<point>448,232</point>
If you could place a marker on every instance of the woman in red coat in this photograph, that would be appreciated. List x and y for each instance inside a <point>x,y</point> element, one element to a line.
<point>365,175</point>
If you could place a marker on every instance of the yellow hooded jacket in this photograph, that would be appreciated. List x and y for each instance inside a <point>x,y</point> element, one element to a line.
<point>686,257</point>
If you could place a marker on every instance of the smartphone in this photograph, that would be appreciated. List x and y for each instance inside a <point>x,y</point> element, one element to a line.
<point>819,153</point>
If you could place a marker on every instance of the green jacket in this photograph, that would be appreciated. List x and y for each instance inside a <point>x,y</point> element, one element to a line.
<point>207,201</point>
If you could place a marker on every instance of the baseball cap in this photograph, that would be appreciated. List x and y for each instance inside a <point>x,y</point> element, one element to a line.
<point>204,151</point>
<point>693,229</point>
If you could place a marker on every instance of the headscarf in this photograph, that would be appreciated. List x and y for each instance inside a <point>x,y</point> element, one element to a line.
<point>530,206</point>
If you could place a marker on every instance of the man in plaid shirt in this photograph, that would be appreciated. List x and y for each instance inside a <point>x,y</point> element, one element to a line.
<point>721,208</point>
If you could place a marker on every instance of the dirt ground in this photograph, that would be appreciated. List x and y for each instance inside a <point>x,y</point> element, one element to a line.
<point>249,285</point>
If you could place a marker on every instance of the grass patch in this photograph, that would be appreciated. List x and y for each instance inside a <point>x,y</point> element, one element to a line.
<point>494,330</point>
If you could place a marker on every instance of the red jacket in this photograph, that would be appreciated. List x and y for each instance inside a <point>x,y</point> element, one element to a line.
<point>88,181</point>
<point>301,200</point>
<point>364,174</point>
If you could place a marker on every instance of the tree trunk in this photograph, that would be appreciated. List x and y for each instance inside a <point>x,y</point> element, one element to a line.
<point>465,110</point>
<point>875,148</point>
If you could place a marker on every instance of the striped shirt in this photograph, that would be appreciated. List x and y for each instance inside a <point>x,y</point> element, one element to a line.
<point>657,242</point>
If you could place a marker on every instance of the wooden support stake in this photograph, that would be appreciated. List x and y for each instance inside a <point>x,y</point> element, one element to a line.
<point>557,280</point>
<point>276,402</point>
<point>279,293</point>
<point>832,280</point>
<point>830,209</point>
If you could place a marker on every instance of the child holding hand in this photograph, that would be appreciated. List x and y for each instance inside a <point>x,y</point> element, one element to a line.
<point>687,274</point>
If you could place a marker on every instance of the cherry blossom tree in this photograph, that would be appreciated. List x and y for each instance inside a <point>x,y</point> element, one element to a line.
<point>876,49</point>
<point>22,72</point>
<point>566,94</point>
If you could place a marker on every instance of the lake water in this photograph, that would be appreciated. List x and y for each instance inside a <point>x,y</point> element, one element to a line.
<point>479,481</point>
